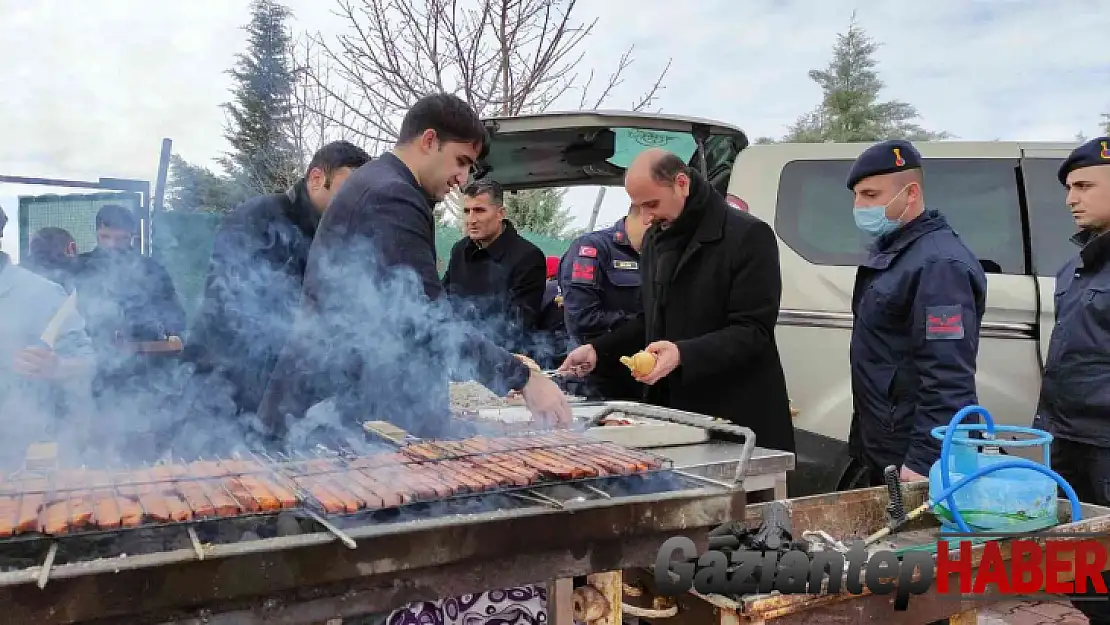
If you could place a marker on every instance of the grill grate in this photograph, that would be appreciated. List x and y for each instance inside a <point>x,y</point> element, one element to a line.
<point>324,483</point>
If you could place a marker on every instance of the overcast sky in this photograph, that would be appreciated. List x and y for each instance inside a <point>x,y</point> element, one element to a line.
<point>89,88</point>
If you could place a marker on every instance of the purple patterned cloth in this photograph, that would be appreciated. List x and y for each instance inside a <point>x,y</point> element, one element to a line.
<point>523,605</point>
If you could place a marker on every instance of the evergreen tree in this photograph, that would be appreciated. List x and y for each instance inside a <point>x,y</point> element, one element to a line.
<point>1105,123</point>
<point>263,157</point>
<point>539,211</point>
<point>195,188</point>
<point>850,109</point>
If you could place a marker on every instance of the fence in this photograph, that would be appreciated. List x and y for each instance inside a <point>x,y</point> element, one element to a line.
<point>76,213</point>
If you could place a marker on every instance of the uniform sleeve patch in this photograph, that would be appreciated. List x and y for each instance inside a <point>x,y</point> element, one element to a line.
<point>584,271</point>
<point>587,251</point>
<point>944,323</point>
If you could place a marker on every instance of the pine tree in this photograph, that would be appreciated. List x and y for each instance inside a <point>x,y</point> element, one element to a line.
<point>850,109</point>
<point>262,156</point>
<point>539,211</point>
<point>1105,123</point>
<point>195,188</point>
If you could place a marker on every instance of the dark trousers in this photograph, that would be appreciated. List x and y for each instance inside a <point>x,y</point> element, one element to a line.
<point>1087,469</point>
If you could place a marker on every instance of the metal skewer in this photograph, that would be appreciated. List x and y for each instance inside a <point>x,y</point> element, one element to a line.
<point>550,500</point>
<point>44,572</point>
<point>598,491</point>
<point>338,533</point>
<point>193,538</point>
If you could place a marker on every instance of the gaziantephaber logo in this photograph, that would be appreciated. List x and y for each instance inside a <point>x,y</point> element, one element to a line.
<point>1020,565</point>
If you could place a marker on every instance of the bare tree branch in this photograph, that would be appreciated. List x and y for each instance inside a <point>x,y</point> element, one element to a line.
<point>505,57</point>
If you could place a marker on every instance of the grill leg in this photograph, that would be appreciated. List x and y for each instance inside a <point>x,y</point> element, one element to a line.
<point>560,601</point>
<point>599,602</point>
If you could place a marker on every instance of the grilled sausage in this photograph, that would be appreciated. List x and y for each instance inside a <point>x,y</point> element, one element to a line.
<point>54,519</point>
<point>130,512</point>
<point>261,492</point>
<point>243,496</point>
<point>9,508</point>
<point>585,460</point>
<point>331,502</point>
<point>284,495</point>
<point>388,492</point>
<point>106,510</point>
<point>357,493</point>
<point>508,476</point>
<point>221,499</point>
<point>196,499</point>
<point>29,507</point>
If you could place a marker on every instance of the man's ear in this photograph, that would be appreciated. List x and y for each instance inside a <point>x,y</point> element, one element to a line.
<point>682,183</point>
<point>428,140</point>
<point>71,249</point>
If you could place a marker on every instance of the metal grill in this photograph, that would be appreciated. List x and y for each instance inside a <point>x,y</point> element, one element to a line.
<point>58,503</point>
<point>263,538</point>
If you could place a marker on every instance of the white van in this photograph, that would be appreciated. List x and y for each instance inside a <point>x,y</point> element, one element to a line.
<point>1002,197</point>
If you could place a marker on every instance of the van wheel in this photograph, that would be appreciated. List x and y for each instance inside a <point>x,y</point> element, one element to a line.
<point>854,477</point>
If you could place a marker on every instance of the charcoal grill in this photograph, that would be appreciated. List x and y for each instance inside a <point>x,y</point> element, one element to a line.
<point>594,506</point>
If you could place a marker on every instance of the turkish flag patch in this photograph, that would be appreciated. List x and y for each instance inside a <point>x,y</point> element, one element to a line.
<point>944,323</point>
<point>584,271</point>
<point>587,251</point>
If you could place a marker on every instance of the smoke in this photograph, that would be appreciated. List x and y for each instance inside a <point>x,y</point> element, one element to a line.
<point>366,343</point>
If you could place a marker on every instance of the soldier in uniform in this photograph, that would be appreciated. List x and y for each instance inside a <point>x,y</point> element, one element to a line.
<point>600,280</point>
<point>1075,389</point>
<point>918,303</point>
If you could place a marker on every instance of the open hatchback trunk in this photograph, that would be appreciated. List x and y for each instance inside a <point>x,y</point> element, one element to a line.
<point>595,147</point>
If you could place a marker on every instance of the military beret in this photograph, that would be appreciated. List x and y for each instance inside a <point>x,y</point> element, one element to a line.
<point>1094,152</point>
<point>884,158</point>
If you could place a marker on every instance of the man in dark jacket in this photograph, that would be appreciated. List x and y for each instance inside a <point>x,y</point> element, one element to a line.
<point>376,338</point>
<point>600,276</point>
<point>495,275</point>
<point>126,299</point>
<point>1075,391</point>
<point>918,303</point>
<point>254,284</point>
<point>711,289</point>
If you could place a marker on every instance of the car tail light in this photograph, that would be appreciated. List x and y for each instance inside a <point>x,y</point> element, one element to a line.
<point>736,202</point>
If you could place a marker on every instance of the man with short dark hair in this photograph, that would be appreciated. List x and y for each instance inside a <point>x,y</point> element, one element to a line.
<point>254,281</point>
<point>125,297</point>
<point>376,338</point>
<point>1074,402</point>
<point>710,290</point>
<point>918,304</point>
<point>52,254</point>
<point>496,274</point>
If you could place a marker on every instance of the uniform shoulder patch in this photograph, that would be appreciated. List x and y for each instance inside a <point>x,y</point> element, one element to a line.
<point>587,251</point>
<point>584,271</point>
<point>944,323</point>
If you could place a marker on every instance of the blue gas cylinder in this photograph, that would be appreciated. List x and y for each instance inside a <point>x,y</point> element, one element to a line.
<point>1007,500</point>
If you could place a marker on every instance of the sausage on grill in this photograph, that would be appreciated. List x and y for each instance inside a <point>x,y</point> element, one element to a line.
<point>9,507</point>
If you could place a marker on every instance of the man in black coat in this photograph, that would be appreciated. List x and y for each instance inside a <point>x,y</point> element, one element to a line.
<point>126,298</point>
<point>495,275</point>
<point>711,288</point>
<point>376,338</point>
<point>254,283</point>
